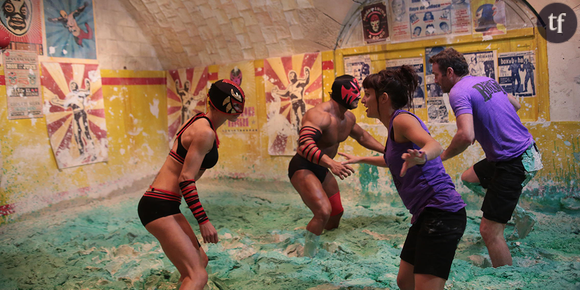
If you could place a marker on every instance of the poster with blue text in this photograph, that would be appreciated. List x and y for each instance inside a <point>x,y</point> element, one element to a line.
<point>70,29</point>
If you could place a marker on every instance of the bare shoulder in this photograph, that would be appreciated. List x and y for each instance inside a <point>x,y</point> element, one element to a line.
<point>405,120</point>
<point>350,116</point>
<point>317,116</point>
<point>200,133</point>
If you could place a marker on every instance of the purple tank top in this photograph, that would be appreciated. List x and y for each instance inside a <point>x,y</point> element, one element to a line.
<point>423,186</point>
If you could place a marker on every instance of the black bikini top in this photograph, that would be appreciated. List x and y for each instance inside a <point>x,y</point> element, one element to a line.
<point>210,158</point>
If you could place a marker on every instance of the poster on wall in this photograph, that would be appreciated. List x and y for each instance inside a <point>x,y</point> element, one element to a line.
<point>413,19</point>
<point>461,16</point>
<point>438,106</point>
<point>243,74</point>
<point>22,84</point>
<point>186,96</point>
<point>374,23</point>
<point>488,17</point>
<point>417,65</point>
<point>293,84</point>
<point>358,66</point>
<point>70,28</point>
<point>516,73</point>
<point>483,64</point>
<point>22,24</point>
<point>75,113</point>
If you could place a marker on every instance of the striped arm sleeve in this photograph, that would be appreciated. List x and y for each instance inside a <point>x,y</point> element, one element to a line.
<point>307,144</point>
<point>189,191</point>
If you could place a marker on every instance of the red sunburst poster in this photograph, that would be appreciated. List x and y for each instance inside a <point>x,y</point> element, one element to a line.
<point>75,113</point>
<point>186,96</point>
<point>293,85</point>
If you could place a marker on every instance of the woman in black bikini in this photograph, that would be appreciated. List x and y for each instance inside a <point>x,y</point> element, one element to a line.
<point>194,150</point>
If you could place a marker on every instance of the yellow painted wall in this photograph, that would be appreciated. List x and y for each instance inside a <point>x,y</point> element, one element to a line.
<point>31,179</point>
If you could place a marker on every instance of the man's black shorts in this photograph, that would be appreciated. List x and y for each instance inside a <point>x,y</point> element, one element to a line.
<point>432,240</point>
<point>503,181</point>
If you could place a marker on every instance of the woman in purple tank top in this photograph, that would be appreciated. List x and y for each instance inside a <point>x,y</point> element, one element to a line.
<point>412,156</point>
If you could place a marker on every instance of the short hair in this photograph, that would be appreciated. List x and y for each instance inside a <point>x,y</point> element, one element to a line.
<point>450,57</point>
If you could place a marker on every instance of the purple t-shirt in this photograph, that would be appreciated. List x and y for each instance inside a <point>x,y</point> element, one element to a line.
<point>496,124</point>
<point>423,186</point>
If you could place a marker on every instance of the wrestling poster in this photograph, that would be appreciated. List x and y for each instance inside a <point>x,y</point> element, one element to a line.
<point>438,106</point>
<point>482,64</point>
<point>293,84</point>
<point>186,96</point>
<point>75,113</point>
<point>243,75</point>
<point>70,29</point>
<point>417,65</point>
<point>22,84</point>
<point>517,72</point>
<point>374,23</point>
<point>22,23</point>
<point>488,17</point>
<point>412,19</point>
<point>358,66</point>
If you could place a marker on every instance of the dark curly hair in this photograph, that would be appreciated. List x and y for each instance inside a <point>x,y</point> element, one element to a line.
<point>400,84</point>
<point>450,57</point>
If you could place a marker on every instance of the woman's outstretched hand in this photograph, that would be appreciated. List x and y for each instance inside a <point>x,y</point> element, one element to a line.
<point>350,159</point>
<point>412,158</point>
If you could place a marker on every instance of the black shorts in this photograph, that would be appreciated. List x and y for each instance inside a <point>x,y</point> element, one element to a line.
<point>298,162</point>
<point>432,240</point>
<point>151,208</point>
<point>503,181</point>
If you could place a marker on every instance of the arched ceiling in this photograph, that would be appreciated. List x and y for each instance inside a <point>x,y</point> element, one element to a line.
<point>192,33</point>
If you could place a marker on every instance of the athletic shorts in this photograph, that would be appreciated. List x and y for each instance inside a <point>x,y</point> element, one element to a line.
<point>504,182</point>
<point>432,240</point>
<point>151,208</point>
<point>298,162</point>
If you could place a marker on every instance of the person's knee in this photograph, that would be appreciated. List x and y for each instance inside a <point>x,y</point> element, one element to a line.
<point>491,231</point>
<point>405,283</point>
<point>323,211</point>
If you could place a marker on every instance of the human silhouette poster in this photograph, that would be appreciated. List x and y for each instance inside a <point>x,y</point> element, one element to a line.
<point>242,74</point>
<point>75,113</point>
<point>186,96</point>
<point>21,21</point>
<point>517,72</point>
<point>293,84</point>
<point>22,84</point>
<point>70,29</point>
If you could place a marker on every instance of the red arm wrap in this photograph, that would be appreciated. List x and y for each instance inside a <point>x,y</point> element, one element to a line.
<point>307,144</point>
<point>189,191</point>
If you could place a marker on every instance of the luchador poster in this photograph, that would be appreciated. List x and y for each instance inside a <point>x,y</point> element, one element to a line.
<point>488,17</point>
<point>75,113</point>
<point>186,96</point>
<point>70,29</point>
<point>22,84</point>
<point>293,84</point>
<point>358,66</point>
<point>374,22</point>
<point>399,18</point>
<point>482,63</point>
<point>461,16</point>
<point>243,75</point>
<point>22,23</point>
<point>517,73</point>
<point>417,64</point>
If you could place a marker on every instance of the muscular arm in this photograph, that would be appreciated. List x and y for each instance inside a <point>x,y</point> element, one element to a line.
<point>314,123</point>
<point>464,137</point>
<point>365,139</point>
<point>80,9</point>
<point>306,79</point>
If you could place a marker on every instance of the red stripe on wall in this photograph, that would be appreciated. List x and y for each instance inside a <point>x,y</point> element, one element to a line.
<point>133,81</point>
<point>6,209</point>
<point>2,81</point>
<point>259,71</point>
<point>212,76</point>
<point>327,64</point>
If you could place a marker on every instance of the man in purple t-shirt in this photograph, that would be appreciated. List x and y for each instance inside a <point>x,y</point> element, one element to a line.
<point>486,113</point>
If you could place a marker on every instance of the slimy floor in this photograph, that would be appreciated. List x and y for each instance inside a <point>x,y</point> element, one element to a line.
<point>100,244</point>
